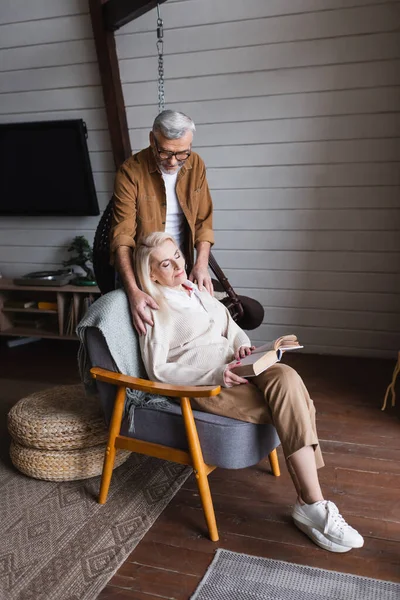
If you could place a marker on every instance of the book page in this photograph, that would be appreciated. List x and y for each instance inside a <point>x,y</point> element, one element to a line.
<point>264,348</point>
<point>285,342</point>
<point>254,357</point>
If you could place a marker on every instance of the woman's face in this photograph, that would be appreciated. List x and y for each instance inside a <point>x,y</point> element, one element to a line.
<point>167,265</point>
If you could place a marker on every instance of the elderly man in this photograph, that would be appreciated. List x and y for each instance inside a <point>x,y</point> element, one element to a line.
<point>162,188</point>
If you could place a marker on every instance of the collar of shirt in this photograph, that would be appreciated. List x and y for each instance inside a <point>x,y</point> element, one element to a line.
<point>181,298</point>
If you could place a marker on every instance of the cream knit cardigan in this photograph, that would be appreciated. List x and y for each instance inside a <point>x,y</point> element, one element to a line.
<point>191,347</point>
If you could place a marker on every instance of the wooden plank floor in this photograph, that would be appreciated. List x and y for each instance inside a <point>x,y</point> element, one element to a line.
<point>361,447</point>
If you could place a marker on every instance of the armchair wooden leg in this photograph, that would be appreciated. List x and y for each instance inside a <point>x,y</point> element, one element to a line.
<point>200,469</point>
<point>109,457</point>
<point>274,462</point>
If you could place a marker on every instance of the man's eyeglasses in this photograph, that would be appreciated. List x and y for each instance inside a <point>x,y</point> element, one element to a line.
<point>165,155</point>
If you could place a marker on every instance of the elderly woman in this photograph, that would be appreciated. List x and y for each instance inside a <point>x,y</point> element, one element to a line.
<point>194,341</point>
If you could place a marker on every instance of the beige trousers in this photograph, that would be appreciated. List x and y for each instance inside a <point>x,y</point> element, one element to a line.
<point>277,396</point>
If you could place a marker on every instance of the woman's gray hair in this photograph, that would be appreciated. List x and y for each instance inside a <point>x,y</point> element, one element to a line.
<point>173,124</point>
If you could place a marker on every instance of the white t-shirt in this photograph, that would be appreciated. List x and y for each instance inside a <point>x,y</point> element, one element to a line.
<point>174,223</point>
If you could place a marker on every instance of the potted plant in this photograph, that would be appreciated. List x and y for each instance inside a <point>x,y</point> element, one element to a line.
<point>83,256</point>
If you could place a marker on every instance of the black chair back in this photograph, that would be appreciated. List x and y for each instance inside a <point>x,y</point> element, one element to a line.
<point>104,272</point>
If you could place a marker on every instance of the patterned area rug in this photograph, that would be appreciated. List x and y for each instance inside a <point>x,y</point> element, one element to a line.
<point>57,542</point>
<point>234,576</point>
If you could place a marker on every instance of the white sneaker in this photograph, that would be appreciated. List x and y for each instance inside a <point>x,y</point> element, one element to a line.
<point>325,517</point>
<point>320,539</point>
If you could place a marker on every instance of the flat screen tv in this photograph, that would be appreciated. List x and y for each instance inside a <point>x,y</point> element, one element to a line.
<point>45,169</point>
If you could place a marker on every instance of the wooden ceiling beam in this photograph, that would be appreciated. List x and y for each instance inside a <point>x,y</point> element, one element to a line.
<point>111,84</point>
<point>120,12</point>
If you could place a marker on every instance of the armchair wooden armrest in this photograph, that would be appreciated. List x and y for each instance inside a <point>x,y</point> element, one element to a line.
<point>146,385</point>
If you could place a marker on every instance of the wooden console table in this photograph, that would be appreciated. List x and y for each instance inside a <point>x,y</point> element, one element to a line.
<point>67,305</point>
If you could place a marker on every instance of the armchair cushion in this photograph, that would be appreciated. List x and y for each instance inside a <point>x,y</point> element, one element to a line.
<point>225,443</point>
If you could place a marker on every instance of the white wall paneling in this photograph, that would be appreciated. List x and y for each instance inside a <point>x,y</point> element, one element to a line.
<point>327,305</point>
<point>362,343</point>
<point>297,153</point>
<point>95,119</point>
<point>356,174</point>
<point>347,127</point>
<point>34,238</point>
<point>37,254</point>
<point>311,198</point>
<point>316,241</point>
<point>313,221</point>
<point>104,182</point>
<point>102,162</point>
<point>297,107</point>
<point>39,57</point>
<point>261,31</point>
<point>308,260</point>
<point>314,280</point>
<point>40,9</point>
<point>48,70</point>
<point>66,99</point>
<point>22,32</point>
<point>367,320</point>
<point>354,102</point>
<point>360,49</point>
<point>50,78</point>
<point>206,12</point>
<point>379,73</point>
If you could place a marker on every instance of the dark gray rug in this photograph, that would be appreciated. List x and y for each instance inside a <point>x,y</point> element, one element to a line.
<point>57,542</point>
<point>234,576</point>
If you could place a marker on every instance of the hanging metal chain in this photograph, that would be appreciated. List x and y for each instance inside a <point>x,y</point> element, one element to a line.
<point>160,50</point>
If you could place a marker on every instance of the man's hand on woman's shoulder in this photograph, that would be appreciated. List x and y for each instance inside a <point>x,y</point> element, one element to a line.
<point>201,276</point>
<point>140,302</point>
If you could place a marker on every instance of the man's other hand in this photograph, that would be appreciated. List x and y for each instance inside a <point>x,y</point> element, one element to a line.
<point>201,276</point>
<point>139,301</point>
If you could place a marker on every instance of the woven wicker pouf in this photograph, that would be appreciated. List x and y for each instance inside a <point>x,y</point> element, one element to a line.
<point>59,434</point>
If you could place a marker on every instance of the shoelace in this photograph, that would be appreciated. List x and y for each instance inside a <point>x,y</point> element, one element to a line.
<point>333,518</point>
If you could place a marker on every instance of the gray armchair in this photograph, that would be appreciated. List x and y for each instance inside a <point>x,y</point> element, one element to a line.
<point>176,432</point>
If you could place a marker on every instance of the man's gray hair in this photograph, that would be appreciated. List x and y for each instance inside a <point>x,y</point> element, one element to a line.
<point>173,124</point>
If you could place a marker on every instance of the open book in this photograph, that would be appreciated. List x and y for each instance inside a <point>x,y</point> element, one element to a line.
<point>265,356</point>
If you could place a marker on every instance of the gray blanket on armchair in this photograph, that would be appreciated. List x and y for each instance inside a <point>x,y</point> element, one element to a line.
<point>111,315</point>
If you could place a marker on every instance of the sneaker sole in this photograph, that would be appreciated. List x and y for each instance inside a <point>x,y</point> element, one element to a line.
<point>308,523</point>
<point>332,547</point>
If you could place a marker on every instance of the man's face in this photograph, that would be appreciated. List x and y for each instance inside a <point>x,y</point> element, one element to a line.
<point>162,146</point>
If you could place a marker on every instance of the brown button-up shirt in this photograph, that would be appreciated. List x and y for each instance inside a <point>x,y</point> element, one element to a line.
<point>140,202</point>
